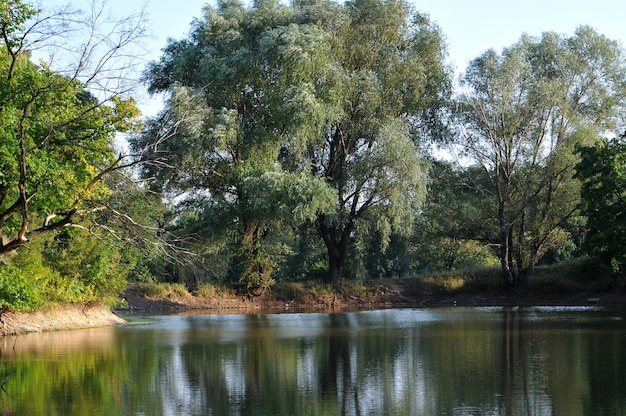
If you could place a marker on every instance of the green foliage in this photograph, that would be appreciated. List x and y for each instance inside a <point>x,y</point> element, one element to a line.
<point>309,258</point>
<point>165,290</point>
<point>13,16</point>
<point>61,160</point>
<point>235,144</point>
<point>582,274</point>
<point>87,268</point>
<point>450,232</point>
<point>602,170</point>
<point>285,115</point>
<point>19,291</point>
<point>390,75</point>
<point>209,290</point>
<point>61,228</point>
<point>57,136</point>
<point>69,267</point>
<point>286,197</point>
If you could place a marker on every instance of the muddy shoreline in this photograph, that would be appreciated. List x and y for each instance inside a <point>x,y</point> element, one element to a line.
<point>393,296</point>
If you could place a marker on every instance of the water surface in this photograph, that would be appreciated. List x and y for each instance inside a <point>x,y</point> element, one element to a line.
<point>456,361</point>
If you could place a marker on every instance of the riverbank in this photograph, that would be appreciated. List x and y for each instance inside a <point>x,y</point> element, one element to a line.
<point>58,318</point>
<point>387,293</point>
<point>311,297</point>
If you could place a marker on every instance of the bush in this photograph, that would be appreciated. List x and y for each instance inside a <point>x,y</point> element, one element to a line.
<point>164,290</point>
<point>582,273</point>
<point>63,269</point>
<point>88,268</point>
<point>17,292</point>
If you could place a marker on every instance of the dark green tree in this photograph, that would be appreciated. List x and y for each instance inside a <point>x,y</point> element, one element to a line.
<point>450,232</point>
<point>602,171</point>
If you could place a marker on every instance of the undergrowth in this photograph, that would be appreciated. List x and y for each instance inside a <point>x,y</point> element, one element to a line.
<point>582,274</point>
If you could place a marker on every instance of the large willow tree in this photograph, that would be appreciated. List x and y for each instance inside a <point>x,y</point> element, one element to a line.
<point>389,86</point>
<point>522,114</point>
<point>241,99</point>
<point>290,114</point>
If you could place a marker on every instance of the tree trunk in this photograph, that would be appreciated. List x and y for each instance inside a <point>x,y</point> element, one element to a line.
<point>513,269</point>
<point>335,266</point>
<point>337,245</point>
<point>515,273</point>
<point>506,262</point>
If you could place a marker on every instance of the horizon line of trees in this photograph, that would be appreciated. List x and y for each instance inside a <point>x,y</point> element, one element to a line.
<point>296,142</point>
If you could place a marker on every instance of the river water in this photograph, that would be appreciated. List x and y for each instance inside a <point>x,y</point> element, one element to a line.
<point>443,361</point>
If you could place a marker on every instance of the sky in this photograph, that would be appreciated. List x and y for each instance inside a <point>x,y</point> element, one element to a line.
<point>470,26</point>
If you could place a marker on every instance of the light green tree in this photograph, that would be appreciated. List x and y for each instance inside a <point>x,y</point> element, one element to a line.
<point>388,88</point>
<point>522,112</point>
<point>241,103</point>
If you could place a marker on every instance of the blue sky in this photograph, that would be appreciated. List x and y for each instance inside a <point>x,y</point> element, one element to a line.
<point>470,26</point>
<point>473,26</point>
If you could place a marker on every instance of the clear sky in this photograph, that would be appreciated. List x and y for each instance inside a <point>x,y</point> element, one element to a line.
<point>470,26</point>
<point>473,26</point>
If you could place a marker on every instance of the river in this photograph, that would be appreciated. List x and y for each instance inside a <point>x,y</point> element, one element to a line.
<point>441,361</point>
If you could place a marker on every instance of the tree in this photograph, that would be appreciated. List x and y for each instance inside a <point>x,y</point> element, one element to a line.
<point>59,118</point>
<point>241,101</point>
<point>522,113</point>
<point>275,108</point>
<point>389,86</point>
<point>602,171</point>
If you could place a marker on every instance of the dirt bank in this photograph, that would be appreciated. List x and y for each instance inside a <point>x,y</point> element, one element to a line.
<point>381,294</point>
<point>58,318</point>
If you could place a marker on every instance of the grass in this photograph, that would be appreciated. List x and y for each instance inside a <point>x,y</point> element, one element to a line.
<point>580,274</point>
<point>209,290</point>
<point>583,274</point>
<point>164,290</point>
<point>316,288</point>
<point>458,281</point>
<point>577,275</point>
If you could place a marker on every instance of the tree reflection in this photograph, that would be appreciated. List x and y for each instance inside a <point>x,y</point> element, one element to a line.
<point>458,361</point>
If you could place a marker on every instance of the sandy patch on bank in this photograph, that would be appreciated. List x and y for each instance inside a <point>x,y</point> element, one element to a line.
<point>58,318</point>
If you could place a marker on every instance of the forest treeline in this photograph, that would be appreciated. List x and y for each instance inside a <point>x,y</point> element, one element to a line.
<point>309,140</point>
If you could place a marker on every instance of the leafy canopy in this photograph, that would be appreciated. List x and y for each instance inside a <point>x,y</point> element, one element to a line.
<point>280,114</point>
<point>57,136</point>
<point>241,101</point>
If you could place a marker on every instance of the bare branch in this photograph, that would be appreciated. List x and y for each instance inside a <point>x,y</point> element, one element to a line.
<point>95,47</point>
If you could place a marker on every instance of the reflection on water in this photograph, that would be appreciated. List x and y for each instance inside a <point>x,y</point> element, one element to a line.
<point>458,361</point>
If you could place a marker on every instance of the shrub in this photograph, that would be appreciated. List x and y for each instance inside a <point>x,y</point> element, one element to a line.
<point>17,292</point>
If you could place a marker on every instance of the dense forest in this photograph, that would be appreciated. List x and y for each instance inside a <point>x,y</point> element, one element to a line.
<point>314,140</point>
